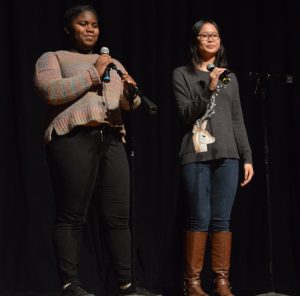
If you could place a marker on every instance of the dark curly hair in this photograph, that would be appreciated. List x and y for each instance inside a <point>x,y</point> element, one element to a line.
<point>76,10</point>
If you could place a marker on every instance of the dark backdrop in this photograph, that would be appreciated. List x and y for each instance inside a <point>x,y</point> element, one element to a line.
<point>150,39</point>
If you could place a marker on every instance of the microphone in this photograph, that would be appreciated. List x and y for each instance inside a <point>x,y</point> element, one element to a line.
<point>106,75</point>
<point>132,90</point>
<point>223,77</point>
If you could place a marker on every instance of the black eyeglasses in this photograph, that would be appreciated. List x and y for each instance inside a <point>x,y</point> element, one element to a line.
<point>205,36</point>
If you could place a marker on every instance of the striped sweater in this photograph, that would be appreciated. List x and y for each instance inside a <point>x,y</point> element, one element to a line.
<point>70,84</point>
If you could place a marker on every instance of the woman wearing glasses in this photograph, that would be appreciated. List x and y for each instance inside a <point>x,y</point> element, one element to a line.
<point>214,141</point>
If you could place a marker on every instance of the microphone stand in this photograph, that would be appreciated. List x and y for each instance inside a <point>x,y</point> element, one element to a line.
<point>131,93</point>
<point>130,97</point>
<point>260,89</point>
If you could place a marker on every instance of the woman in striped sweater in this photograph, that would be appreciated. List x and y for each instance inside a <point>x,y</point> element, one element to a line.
<point>85,146</point>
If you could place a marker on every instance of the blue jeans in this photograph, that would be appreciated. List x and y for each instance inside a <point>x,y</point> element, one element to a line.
<point>210,189</point>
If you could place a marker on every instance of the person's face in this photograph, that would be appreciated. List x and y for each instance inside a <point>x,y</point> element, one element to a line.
<point>84,31</point>
<point>208,41</point>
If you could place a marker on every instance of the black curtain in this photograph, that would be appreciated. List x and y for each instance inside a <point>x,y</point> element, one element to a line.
<point>151,39</point>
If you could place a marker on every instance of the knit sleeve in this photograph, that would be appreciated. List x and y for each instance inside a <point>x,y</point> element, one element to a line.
<point>55,89</point>
<point>239,128</point>
<point>190,107</point>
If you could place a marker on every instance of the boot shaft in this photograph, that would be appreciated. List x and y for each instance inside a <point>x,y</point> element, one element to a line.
<point>195,243</point>
<point>220,252</point>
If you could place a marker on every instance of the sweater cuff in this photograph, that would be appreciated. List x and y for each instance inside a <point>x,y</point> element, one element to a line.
<point>94,76</point>
<point>247,157</point>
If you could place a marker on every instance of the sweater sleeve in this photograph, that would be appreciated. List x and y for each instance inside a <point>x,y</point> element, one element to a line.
<point>190,107</point>
<point>55,89</point>
<point>239,128</point>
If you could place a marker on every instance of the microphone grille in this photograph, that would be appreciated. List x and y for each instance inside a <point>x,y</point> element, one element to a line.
<point>210,67</point>
<point>104,50</point>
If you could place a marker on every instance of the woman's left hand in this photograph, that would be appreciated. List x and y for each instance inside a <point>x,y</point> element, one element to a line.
<point>130,89</point>
<point>248,174</point>
<point>128,80</point>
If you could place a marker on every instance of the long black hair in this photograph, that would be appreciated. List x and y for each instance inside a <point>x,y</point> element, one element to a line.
<point>194,56</point>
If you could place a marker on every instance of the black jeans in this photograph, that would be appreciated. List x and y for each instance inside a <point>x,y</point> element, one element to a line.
<point>79,161</point>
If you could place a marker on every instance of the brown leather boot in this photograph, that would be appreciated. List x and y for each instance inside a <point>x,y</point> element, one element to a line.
<point>195,243</point>
<point>220,251</point>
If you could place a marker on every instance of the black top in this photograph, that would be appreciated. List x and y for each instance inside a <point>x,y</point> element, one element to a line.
<point>225,123</point>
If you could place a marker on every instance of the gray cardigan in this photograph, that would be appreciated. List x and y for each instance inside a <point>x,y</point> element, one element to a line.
<point>226,124</point>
